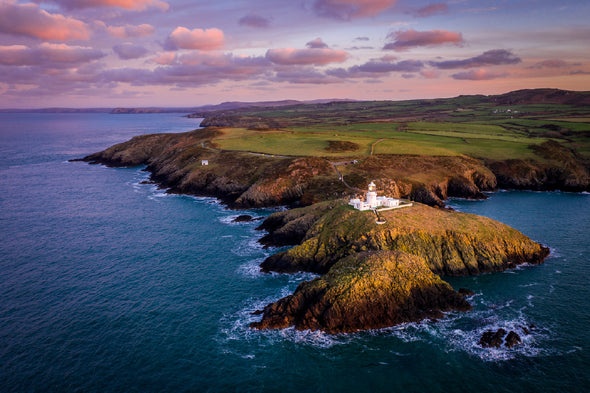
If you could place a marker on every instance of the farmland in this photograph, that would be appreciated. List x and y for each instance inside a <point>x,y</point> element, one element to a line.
<point>477,126</point>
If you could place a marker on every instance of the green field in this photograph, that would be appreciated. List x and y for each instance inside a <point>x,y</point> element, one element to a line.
<point>476,126</point>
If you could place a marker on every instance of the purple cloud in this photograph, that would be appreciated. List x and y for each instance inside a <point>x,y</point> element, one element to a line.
<point>192,72</point>
<point>305,75</point>
<point>255,21</point>
<point>48,55</point>
<point>131,31</point>
<point>407,39</point>
<point>377,68</point>
<point>491,57</point>
<point>30,20</point>
<point>316,44</point>
<point>551,63</point>
<point>351,9</point>
<point>128,51</point>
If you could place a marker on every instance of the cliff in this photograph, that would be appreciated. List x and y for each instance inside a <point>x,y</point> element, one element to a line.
<point>376,276</point>
<point>451,243</point>
<point>365,291</point>
<point>242,180</point>
<point>245,180</point>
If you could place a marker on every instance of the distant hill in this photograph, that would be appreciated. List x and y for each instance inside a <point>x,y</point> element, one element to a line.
<point>518,97</point>
<point>541,96</point>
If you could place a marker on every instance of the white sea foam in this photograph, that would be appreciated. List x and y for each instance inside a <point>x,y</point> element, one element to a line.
<point>251,268</point>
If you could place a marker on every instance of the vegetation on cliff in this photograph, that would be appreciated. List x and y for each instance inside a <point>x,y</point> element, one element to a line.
<point>368,290</point>
<point>451,243</point>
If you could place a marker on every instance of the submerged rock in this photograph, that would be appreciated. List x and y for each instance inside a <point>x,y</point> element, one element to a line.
<point>368,290</point>
<point>243,218</point>
<point>491,339</point>
<point>512,339</point>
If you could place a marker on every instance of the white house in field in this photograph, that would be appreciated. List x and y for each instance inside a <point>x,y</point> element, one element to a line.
<point>373,201</point>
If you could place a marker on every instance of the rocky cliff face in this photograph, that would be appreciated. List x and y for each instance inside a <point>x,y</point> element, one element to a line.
<point>368,290</point>
<point>241,180</point>
<point>246,180</point>
<point>561,169</point>
<point>451,243</point>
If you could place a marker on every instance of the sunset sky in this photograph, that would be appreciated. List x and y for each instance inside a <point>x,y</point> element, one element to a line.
<point>108,53</point>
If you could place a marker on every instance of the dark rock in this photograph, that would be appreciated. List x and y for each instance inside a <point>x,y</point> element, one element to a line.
<point>466,292</point>
<point>491,339</point>
<point>512,339</point>
<point>243,218</point>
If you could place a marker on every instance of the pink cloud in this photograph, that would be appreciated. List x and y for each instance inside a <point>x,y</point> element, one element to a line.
<point>478,75</point>
<point>131,31</point>
<point>255,21</point>
<point>350,9</point>
<point>183,38</point>
<point>407,39</point>
<point>429,74</point>
<point>135,5</point>
<point>166,58</point>
<point>432,9</point>
<point>30,20</point>
<point>315,56</point>
<point>491,57</point>
<point>47,55</point>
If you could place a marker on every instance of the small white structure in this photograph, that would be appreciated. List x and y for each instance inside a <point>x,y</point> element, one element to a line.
<point>373,201</point>
<point>204,162</point>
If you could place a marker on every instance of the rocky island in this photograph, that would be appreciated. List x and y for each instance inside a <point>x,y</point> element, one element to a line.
<point>375,276</point>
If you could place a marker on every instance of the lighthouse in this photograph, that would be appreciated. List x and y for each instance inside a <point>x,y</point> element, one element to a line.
<point>372,195</point>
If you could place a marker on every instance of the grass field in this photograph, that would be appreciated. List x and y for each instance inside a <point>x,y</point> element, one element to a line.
<point>468,125</point>
<point>431,139</point>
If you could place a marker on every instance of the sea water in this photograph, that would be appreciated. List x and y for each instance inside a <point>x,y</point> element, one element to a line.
<point>111,285</point>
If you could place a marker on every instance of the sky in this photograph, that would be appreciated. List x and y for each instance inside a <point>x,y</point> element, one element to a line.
<point>134,53</point>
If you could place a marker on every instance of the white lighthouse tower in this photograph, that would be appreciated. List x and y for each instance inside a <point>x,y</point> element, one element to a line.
<point>372,195</point>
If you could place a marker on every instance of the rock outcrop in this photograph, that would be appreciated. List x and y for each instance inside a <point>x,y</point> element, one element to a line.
<point>376,276</point>
<point>451,243</point>
<point>561,169</point>
<point>369,290</point>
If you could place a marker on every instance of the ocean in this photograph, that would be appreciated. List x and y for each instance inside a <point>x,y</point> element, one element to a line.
<point>111,285</point>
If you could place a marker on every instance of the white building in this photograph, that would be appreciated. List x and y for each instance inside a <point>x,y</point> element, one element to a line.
<point>204,162</point>
<point>373,201</point>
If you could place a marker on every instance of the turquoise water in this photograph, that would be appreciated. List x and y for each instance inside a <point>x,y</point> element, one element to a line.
<point>109,285</point>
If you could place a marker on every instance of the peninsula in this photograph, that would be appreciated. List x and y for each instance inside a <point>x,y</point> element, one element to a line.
<point>378,268</point>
